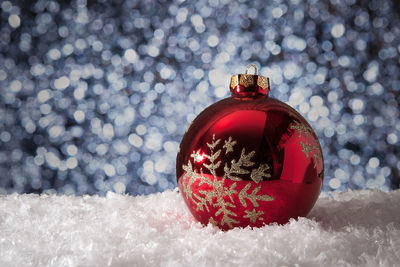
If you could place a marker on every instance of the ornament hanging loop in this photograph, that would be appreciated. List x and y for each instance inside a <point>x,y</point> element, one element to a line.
<point>249,85</point>
<point>251,66</point>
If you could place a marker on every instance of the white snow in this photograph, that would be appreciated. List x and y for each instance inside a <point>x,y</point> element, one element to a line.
<point>357,228</point>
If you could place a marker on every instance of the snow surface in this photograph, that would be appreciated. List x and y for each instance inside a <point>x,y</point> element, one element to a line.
<point>350,228</point>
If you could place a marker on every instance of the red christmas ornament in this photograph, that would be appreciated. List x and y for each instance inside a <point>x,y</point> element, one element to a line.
<point>249,160</point>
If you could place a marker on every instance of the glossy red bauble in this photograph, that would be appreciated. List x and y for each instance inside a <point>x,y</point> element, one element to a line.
<point>249,160</point>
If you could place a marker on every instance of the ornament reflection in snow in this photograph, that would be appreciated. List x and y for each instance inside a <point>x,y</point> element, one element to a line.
<point>249,160</point>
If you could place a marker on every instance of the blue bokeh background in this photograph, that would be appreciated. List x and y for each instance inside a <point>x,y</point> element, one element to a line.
<point>96,95</point>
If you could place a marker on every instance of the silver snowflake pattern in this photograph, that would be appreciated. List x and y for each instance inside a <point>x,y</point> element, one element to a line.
<point>301,128</point>
<point>253,215</point>
<point>258,174</point>
<point>236,166</point>
<point>229,145</point>
<point>316,155</point>
<point>197,157</point>
<point>306,148</point>
<point>218,194</point>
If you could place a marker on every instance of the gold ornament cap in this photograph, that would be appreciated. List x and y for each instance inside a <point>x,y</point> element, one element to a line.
<point>249,85</point>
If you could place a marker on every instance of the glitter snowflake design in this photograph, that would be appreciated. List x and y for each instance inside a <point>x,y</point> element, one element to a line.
<point>306,147</point>
<point>218,194</point>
